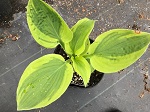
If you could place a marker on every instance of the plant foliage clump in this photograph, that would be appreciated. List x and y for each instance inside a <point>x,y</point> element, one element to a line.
<point>47,78</point>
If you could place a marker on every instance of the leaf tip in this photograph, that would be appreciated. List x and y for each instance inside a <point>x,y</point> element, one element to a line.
<point>18,108</point>
<point>85,85</point>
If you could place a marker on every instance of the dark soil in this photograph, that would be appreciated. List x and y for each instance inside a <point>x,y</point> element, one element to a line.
<point>10,7</point>
<point>7,9</point>
<point>77,80</point>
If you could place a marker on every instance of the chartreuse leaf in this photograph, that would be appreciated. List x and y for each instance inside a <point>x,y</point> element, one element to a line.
<point>81,31</point>
<point>87,45</point>
<point>82,67</point>
<point>43,82</point>
<point>117,49</point>
<point>46,25</point>
<point>92,69</point>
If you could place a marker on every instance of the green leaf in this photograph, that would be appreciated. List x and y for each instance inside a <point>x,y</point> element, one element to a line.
<point>87,45</point>
<point>117,49</point>
<point>92,69</point>
<point>81,31</point>
<point>46,25</point>
<point>82,67</point>
<point>43,82</point>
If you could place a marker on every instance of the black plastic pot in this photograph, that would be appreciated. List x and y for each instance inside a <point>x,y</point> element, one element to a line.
<point>95,78</point>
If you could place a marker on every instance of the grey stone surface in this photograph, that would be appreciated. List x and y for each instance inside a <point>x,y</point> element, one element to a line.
<point>118,90</point>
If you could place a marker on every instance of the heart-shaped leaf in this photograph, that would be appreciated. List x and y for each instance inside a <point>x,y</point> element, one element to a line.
<point>43,82</point>
<point>46,25</point>
<point>117,49</point>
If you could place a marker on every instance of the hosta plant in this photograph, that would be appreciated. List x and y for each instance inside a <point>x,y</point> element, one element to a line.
<point>47,78</point>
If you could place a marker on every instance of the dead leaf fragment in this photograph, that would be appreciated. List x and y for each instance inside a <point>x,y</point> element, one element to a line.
<point>141,95</point>
<point>141,15</point>
<point>120,1</point>
<point>15,37</point>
